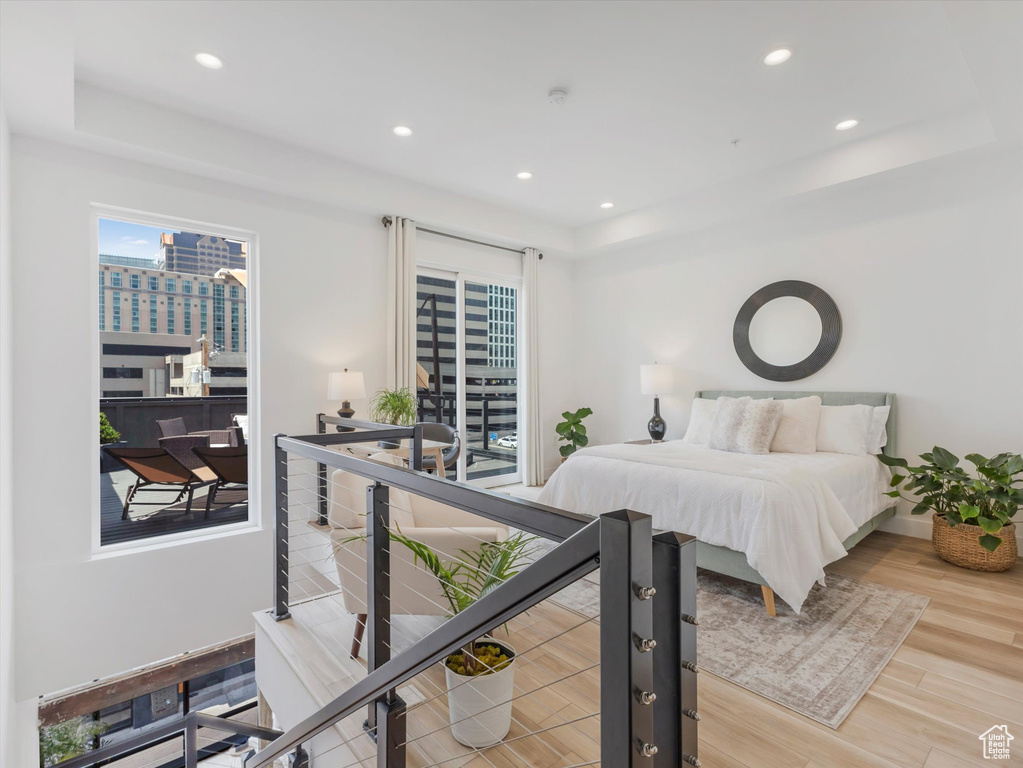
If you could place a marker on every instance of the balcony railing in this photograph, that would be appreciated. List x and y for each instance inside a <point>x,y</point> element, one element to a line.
<point>645,651</point>
<point>135,417</point>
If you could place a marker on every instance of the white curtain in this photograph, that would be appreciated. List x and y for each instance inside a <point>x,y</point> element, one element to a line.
<point>531,380</point>
<point>401,303</point>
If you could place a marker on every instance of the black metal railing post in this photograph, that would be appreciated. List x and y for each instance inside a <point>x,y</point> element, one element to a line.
<point>391,731</point>
<point>281,566</point>
<point>417,448</point>
<point>675,714</point>
<point>378,586</point>
<point>322,507</point>
<point>626,640</point>
<point>191,743</point>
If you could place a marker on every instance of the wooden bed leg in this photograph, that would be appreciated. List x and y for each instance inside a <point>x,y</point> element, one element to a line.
<point>768,600</point>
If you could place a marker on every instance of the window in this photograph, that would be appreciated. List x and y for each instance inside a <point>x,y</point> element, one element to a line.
<point>115,299</point>
<point>122,373</point>
<point>134,311</point>
<point>218,315</point>
<point>143,378</point>
<point>102,301</point>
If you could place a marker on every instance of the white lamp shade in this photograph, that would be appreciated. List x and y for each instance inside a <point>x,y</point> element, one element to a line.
<point>656,379</point>
<point>346,385</point>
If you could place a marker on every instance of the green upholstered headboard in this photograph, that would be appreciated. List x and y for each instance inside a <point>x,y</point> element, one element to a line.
<point>827,398</point>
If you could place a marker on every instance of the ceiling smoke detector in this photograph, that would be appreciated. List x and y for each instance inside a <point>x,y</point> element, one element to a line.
<point>557,96</point>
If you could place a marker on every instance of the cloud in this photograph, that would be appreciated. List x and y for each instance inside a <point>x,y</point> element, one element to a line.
<point>127,239</point>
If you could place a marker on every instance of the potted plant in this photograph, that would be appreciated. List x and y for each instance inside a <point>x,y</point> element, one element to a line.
<point>107,435</point>
<point>394,406</point>
<point>480,677</point>
<point>973,513</point>
<point>572,432</point>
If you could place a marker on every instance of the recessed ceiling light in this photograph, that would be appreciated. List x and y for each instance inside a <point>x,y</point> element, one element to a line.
<point>607,205</point>
<point>523,175</point>
<point>402,130</point>
<point>780,56</point>
<point>845,125</point>
<point>208,60</point>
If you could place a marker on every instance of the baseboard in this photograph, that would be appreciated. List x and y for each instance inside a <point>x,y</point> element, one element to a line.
<point>920,528</point>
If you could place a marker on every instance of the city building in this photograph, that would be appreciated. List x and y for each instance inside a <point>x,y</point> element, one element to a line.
<point>199,254</point>
<point>146,315</point>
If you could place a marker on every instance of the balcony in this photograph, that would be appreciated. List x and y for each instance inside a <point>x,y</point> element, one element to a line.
<point>162,512</point>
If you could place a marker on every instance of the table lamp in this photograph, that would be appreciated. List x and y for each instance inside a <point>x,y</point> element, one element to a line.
<point>656,380</point>
<point>346,386</point>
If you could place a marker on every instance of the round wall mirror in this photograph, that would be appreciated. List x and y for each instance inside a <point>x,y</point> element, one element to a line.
<point>787,330</point>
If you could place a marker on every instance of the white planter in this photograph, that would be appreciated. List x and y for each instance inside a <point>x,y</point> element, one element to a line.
<point>476,721</point>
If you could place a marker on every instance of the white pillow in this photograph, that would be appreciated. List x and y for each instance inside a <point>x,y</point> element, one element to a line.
<point>701,419</point>
<point>759,423</point>
<point>242,420</point>
<point>797,430</point>
<point>845,429</point>
<point>727,422</point>
<point>877,437</point>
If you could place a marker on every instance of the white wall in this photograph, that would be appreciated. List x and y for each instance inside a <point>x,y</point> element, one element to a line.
<point>7,698</point>
<point>926,266</point>
<point>321,306</point>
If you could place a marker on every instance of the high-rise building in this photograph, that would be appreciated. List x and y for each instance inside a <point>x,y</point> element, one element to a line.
<point>199,254</point>
<point>147,315</point>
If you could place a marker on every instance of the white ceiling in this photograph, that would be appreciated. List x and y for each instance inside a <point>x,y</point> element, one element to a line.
<point>657,90</point>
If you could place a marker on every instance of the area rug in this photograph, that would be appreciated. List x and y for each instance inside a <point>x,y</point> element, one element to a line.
<point>819,664</point>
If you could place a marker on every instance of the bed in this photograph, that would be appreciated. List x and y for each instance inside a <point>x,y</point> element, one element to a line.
<point>775,520</point>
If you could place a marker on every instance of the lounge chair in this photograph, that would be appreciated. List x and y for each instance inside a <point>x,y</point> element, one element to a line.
<point>176,428</point>
<point>157,466</point>
<point>231,467</point>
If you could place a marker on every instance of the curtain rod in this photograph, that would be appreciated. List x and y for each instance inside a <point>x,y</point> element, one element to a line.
<point>387,222</point>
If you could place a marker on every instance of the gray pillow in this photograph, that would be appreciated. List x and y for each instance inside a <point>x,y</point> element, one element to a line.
<point>759,424</point>
<point>727,422</point>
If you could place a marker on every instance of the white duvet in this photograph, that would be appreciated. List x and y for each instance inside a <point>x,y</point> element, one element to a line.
<point>789,513</point>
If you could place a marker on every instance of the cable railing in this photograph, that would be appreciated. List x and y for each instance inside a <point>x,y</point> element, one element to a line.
<point>623,689</point>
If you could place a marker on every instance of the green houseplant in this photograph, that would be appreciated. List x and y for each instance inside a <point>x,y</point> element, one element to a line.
<point>394,406</point>
<point>479,708</point>
<point>572,432</point>
<point>973,512</point>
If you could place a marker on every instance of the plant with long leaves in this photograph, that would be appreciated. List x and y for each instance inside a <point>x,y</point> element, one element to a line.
<point>988,499</point>
<point>394,406</point>
<point>469,576</point>
<point>572,431</point>
<point>68,739</point>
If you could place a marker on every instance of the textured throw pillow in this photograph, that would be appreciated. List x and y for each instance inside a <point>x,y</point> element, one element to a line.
<point>727,421</point>
<point>877,437</point>
<point>845,429</point>
<point>797,430</point>
<point>759,423</point>
<point>701,420</point>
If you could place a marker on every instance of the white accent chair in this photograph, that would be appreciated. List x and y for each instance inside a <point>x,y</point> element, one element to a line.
<point>414,589</point>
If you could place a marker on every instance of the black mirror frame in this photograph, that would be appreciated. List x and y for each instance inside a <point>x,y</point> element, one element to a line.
<point>831,330</point>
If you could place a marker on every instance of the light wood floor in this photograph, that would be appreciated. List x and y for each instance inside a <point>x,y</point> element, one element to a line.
<point>958,673</point>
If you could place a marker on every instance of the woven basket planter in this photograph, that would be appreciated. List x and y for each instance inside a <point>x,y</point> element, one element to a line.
<point>959,546</point>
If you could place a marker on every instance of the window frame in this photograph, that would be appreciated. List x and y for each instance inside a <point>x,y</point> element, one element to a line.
<point>257,519</point>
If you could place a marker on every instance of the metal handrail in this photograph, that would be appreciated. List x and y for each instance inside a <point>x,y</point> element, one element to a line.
<point>570,561</point>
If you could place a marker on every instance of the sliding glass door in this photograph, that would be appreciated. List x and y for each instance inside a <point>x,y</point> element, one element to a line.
<point>468,353</point>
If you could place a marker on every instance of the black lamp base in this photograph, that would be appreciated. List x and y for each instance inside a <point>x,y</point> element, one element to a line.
<point>656,426</point>
<point>345,412</point>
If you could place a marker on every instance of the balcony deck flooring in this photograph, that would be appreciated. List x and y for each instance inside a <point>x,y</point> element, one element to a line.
<point>146,521</point>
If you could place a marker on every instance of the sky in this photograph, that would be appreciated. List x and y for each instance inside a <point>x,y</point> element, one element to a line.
<point>123,238</point>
